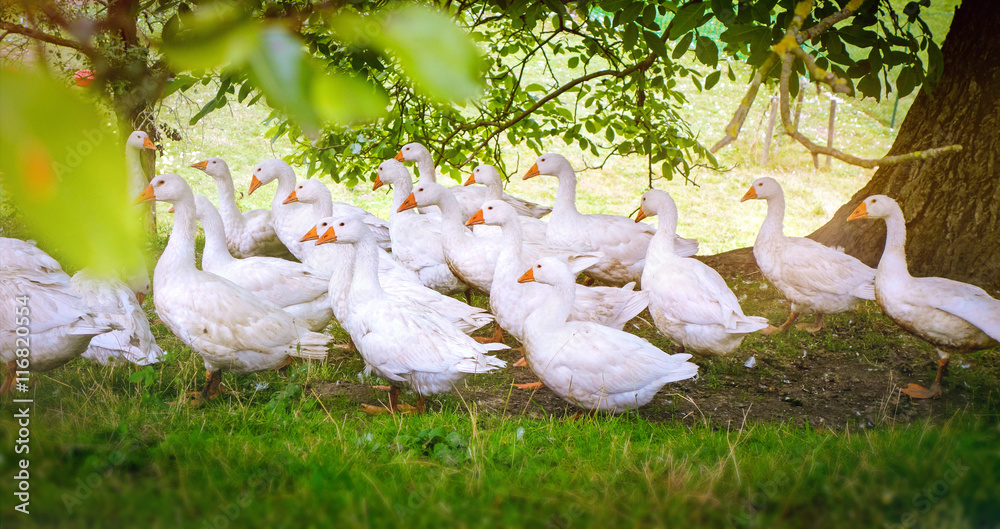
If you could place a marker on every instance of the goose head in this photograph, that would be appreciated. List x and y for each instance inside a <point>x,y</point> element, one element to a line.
<point>166,187</point>
<point>655,202</point>
<point>426,194</point>
<point>265,172</point>
<point>763,188</point>
<point>412,152</point>
<point>214,167</point>
<point>875,207</point>
<point>549,271</point>
<point>550,164</point>
<point>308,191</point>
<point>347,229</point>
<point>486,175</point>
<point>494,213</point>
<point>391,172</point>
<point>140,140</point>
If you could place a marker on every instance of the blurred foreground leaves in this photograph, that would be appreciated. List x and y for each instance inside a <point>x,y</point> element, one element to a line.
<point>65,172</point>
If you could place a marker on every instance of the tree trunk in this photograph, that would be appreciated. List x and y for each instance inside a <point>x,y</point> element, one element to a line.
<point>951,203</point>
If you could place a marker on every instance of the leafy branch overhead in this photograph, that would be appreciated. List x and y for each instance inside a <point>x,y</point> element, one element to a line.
<point>786,52</point>
<point>350,82</point>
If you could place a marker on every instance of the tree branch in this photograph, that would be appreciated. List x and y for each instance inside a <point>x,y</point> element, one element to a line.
<point>40,35</point>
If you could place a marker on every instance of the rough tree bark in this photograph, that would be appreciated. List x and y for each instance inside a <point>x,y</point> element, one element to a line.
<point>951,203</point>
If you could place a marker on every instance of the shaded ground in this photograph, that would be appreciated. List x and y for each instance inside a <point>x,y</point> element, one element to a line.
<point>817,386</point>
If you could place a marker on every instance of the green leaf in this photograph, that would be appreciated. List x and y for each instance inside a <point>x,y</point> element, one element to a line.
<point>343,99</point>
<point>712,79</point>
<point>283,71</point>
<point>686,19</point>
<point>870,86</point>
<point>214,34</point>
<point>706,51</point>
<point>723,10</point>
<point>655,43</point>
<point>437,56</point>
<point>683,46</point>
<point>906,82</point>
<point>68,181</point>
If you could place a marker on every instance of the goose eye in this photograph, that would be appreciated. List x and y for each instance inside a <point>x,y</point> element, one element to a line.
<point>342,224</point>
<point>213,161</point>
<point>421,189</point>
<point>160,183</point>
<point>760,184</point>
<point>873,201</point>
<point>490,208</point>
<point>538,266</point>
<point>324,224</point>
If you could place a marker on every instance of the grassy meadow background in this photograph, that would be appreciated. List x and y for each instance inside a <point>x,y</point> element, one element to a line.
<point>816,435</point>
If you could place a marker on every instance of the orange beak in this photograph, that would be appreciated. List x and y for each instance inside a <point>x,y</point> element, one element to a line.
<point>476,218</point>
<point>329,236</point>
<point>291,198</point>
<point>751,194</point>
<point>200,165</point>
<point>531,172</point>
<point>471,180</point>
<point>860,212</point>
<point>640,215</point>
<point>409,203</point>
<point>148,144</point>
<point>140,297</point>
<point>528,276</point>
<point>398,157</point>
<point>311,235</point>
<point>171,210</point>
<point>147,195</point>
<point>377,183</point>
<point>254,184</point>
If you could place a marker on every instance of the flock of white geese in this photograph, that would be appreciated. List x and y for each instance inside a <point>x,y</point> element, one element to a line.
<point>271,280</point>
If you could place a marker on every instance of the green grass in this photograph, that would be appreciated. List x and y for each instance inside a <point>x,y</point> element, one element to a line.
<point>292,450</point>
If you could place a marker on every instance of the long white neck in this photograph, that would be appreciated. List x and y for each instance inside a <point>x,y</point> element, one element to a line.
<point>554,311</point>
<point>400,190</point>
<point>494,191</point>
<point>286,183</point>
<point>565,204</point>
<point>365,285</point>
<point>428,172</point>
<point>136,174</point>
<point>452,224</point>
<point>662,242</point>
<point>773,226</point>
<point>513,237</point>
<point>231,214</point>
<point>179,253</point>
<point>216,253</point>
<point>894,255</point>
<point>322,206</point>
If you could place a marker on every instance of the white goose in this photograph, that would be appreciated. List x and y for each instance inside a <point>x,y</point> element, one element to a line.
<point>470,257</point>
<point>36,297</point>
<point>952,316</point>
<point>400,340</point>
<point>110,298</point>
<point>291,220</point>
<point>293,287</point>
<point>815,278</point>
<point>248,233</point>
<point>229,327</point>
<point>689,301</point>
<point>394,277</point>
<point>512,302</point>
<point>532,229</point>
<point>138,142</point>
<point>590,365</point>
<point>622,241</point>
<point>471,199</point>
<point>416,238</point>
